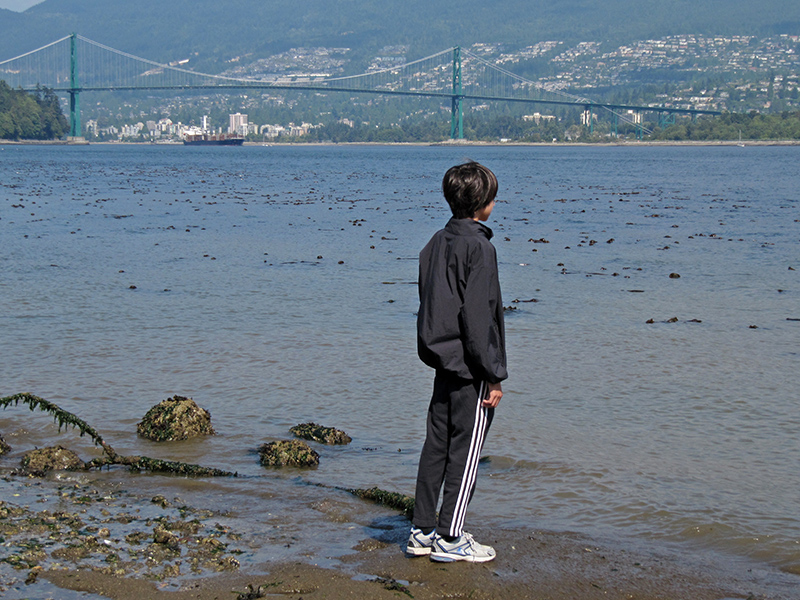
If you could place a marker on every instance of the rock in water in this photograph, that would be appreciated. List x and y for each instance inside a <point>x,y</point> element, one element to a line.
<point>57,458</point>
<point>288,453</point>
<point>3,446</point>
<point>318,433</point>
<point>175,418</point>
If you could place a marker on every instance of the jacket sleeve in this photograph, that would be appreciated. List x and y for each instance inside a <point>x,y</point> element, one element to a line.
<point>482,317</point>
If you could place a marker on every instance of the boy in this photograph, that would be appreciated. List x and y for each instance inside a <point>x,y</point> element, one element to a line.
<point>460,333</point>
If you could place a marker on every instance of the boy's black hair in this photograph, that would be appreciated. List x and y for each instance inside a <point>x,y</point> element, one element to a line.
<point>468,188</point>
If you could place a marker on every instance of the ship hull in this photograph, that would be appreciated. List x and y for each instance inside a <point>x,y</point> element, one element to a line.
<point>225,142</point>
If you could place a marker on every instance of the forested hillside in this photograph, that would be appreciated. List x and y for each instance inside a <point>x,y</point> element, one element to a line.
<point>210,32</point>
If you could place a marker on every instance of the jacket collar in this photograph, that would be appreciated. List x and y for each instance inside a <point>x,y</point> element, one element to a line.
<point>468,227</point>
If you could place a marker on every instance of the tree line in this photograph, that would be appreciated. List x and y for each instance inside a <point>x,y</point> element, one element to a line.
<point>30,115</point>
<point>728,126</point>
<point>732,126</point>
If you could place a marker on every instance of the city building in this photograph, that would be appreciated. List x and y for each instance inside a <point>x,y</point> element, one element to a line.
<point>237,124</point>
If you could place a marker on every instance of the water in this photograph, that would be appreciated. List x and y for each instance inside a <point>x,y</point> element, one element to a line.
<point>276,285</point>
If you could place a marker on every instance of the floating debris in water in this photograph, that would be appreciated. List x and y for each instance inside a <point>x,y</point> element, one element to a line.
<point>175,418</point>
<point>318,433</point>
<point>673,320</point>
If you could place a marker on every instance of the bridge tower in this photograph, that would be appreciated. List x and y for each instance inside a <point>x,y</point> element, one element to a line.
<point>456,115</point>
<point>74,89</point>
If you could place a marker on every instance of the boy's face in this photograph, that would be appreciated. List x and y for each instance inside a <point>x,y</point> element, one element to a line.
<point>483,213</point>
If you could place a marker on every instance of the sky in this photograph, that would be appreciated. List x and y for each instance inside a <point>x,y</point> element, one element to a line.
<point>18,5</point>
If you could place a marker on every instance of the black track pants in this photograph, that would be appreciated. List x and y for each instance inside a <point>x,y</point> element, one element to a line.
<point>457,426</point>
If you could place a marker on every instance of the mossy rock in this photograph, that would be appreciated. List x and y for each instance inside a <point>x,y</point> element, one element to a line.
<point>288,453</point>
<point>174,419</point>
<point>56,458</point>
<point>318,433</point>
<point>3,446</point>
<point>394,500</point>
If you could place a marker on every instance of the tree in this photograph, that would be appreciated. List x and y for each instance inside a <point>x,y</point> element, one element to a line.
<point>31,116</point>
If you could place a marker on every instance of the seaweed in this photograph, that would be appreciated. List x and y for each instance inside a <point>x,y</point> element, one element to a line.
<point>252,593</point>
<point>393,585</point>
<point>401,502</point>
<point>321,434</point>
<point>155,465</point>
<point>41,460</point>
<point>291,452</point>
<point>288,453</point>
<point>177,418</point>
<point>60,416</point>
<point>110,456</point>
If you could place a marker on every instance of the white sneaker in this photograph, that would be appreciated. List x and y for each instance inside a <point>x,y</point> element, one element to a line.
<point>419,544</point>
<point>462,548</point>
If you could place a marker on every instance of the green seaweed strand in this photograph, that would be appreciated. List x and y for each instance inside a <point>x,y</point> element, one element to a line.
<point>400,502</point>
<point>138,463</point>
<point>60,416</point>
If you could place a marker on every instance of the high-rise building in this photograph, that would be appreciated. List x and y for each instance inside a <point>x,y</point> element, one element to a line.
<point>237,124</point>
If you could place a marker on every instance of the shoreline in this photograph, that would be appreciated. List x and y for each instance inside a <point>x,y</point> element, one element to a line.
<point>539,566</point>
<point>193,556</point>
<point>444,143</point>
<point>534,565</point>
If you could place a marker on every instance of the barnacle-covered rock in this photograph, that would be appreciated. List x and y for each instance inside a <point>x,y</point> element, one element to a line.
<point>175,418</point>
<point>318,433</point>
<point>288,453</point>
<point>3,446</point>
<point>162,536</point>
<point>56,458</point>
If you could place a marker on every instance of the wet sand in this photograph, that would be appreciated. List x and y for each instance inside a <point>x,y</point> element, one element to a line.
<point>71,554</point>
<point>538,566</point>
<point>62,536</point>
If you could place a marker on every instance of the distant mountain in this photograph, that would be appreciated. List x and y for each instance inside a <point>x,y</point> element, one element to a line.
<point>211,32</point>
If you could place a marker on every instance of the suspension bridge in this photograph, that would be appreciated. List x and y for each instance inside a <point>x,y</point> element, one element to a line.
<point>75,64</point>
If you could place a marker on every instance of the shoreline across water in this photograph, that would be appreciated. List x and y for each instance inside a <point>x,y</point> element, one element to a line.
<point>454,142</point>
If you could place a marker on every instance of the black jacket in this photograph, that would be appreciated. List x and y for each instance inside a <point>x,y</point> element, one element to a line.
<point>460,326</point>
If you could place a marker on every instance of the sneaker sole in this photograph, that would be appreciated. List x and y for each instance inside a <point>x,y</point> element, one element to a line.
<point>417,551</point>
<point>449,557</point>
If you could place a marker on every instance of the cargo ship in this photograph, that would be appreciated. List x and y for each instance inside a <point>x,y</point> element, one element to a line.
<point>207,139</point>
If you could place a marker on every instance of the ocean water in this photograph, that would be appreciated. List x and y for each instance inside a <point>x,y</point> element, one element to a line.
<point>277,285</point>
